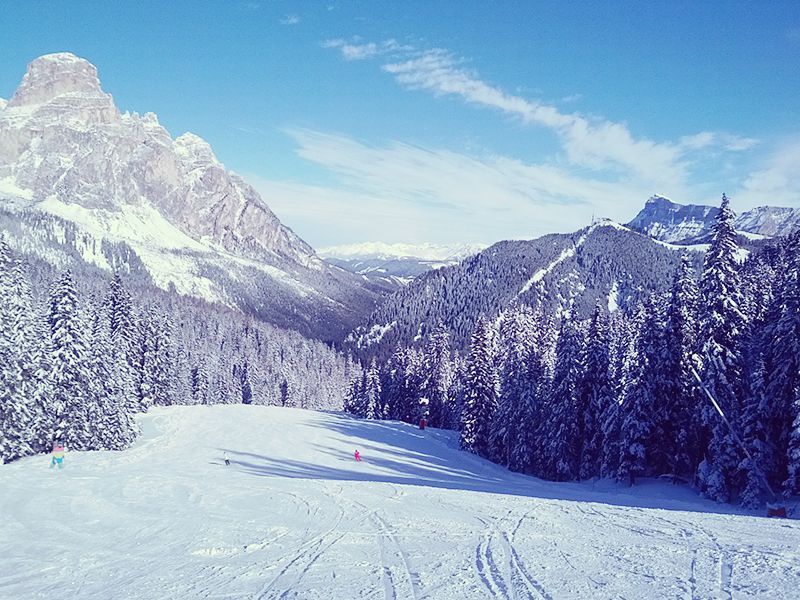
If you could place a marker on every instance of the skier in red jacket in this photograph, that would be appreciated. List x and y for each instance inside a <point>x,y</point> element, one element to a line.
<point>357,456</point>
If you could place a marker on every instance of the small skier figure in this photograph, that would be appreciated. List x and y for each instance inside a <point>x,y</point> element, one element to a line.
<point>226,459</point>
<point>357,456</point>
<point>58,455</point>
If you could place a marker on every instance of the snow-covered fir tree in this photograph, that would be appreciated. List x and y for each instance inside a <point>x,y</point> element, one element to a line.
<point>562,441</point>
<point>438,382</point>
<point>722,324</point>
<point>595,395</point>
<point>515,421</point>
<point>681,399</point>
<point>480,399</point>
<point>70,365</point>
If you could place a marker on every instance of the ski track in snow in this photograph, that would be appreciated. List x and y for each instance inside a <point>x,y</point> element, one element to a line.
<point>294,517</point>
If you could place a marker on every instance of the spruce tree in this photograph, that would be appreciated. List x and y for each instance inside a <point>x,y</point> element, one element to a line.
<point>680,444</point>
<point>438,379</point>
<point>480,398</point>
<point>595,395</point>
<point>69,363</point>
<point>562,421</point>
<point>722,325</point>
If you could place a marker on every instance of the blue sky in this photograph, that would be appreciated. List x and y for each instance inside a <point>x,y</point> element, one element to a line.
<point>453,121</point>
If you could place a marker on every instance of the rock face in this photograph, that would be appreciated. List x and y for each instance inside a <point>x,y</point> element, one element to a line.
<point>199,229</point>
<point>675,223</point>
<point>62,136</point>
<point>667,221</point>
<point>770,221</point>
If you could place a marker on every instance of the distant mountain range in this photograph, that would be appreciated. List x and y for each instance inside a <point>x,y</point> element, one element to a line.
<point>668,221</point>
<point>83,184</point>
<point>67,151</point>
<point>396,265</point>
<point>606,263</point>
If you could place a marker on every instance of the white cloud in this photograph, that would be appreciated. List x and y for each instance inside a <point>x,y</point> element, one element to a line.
<point>718,141</point>
<point>407,192</point>
<point>290,20</point>
<point>775,182</point>
<point>401,192</point>
<point>355,50</point>
<point>586,142</point>
<point>597,144</point>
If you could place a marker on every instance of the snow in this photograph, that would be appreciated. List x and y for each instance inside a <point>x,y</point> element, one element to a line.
<point>684,248</point>
<point>373,336</point>
<point>8,187</point>
<point>565,254</point>
<point>613,297</point>
<point>294,516</point>
<point>752,236</point>
<point>448,253</point>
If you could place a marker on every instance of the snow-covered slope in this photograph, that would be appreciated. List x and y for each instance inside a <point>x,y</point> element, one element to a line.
<point>65,149</point>
<point>564,272</point>
<point>294,516</point>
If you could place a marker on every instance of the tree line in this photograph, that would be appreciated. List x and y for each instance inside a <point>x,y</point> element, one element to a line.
<point>80,359</point>
<point>615,395</point>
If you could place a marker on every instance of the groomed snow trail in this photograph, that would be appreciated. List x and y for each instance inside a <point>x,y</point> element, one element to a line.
<point>295,517</point>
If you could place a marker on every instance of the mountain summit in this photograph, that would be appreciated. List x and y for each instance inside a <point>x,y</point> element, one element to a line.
<point>66,150</point>
<point>668,221</point>
<point>54,75</point>
<point>63,139</point>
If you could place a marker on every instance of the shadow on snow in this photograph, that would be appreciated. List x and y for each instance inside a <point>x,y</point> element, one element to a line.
<point>399,453</point>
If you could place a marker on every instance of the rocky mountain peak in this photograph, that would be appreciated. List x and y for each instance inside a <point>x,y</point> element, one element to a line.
<point>54,75</point>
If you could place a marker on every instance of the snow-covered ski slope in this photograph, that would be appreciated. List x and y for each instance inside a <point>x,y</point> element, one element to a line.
<point>294,516</point>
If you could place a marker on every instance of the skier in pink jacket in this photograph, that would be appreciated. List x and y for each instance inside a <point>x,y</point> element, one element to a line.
<point>357,456</point>
<point>58,455</point>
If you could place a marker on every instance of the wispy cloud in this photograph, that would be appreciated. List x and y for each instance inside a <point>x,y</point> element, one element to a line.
<point>597,144</point>
<point>290,20</point>
<point>356,50</point>
<point>776,180</point>
<point>408,192</point>
<point>587,142</point>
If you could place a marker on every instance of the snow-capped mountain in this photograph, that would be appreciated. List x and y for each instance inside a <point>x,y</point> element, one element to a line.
<point>769,221</point>
<point>67,150</point>
<point>664,220</point>
<point>442,253</point>
<point>606,263</point>
<point>393,266</point>
<point>667,221</point>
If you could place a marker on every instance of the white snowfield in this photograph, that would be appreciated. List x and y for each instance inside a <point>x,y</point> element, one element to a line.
<point>294,516</point>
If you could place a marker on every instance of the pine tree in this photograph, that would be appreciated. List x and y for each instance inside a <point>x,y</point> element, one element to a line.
<point>372,392</point>
<point>563,423</point>
<point>69,363</point>
<point>722,324</point>
<point>480,400</point>
<point>791,486</point>
<point>514,424</point>
<point>439,377</point>
<point>640,404</point>
<point>113,425</point>
<point>595,395</point>
<point>679,445</point>
<point>17,414</point>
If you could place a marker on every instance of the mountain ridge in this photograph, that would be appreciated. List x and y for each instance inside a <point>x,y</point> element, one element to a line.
<point>67,150</point>
<point>668,221</point>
